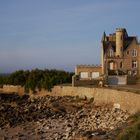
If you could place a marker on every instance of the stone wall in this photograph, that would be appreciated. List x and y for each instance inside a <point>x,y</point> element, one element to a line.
<point>11,89</point>
<point>77,82</point>
<point>127,100</point>
<point>117,80</point>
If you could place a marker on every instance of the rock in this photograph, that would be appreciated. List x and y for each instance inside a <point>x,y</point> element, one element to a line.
<point>116,106</point>
<point>111,127</point>
<point>46,119</point>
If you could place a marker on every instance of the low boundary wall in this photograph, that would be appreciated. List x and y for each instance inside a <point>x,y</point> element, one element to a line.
<point>127,100</point>
<point>11,89</point>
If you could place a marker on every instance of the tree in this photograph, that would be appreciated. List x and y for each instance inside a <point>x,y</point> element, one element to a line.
<point>37,79</point>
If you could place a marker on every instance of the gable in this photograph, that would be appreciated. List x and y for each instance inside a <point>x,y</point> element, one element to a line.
<point>129,41</point>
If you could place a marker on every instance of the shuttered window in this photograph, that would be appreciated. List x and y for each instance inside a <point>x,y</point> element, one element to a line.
<point>84,75</point>
<point>95,74</point>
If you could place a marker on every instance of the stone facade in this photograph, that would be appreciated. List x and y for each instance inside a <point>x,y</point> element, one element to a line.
<point>87,75</point>
<point>120,54</point>
<point>92,70</point>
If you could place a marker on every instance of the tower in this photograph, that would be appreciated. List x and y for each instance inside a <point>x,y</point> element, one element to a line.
<point>119,41</point>
<point>102,51</point>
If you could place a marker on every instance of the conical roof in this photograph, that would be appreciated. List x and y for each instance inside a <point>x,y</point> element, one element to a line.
<point>103,37</point>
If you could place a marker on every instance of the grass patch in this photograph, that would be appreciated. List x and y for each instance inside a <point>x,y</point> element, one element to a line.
<point>132,132</point>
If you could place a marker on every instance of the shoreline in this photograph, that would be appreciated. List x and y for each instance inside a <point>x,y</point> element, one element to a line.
<point>58,117</point>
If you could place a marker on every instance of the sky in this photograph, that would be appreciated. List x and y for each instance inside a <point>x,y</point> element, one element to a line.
<point>59,34</point>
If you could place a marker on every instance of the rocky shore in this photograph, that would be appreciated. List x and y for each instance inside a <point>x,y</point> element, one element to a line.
<point>57,118</point>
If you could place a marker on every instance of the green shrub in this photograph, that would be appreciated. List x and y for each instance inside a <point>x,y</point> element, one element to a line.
<point>37,79</point>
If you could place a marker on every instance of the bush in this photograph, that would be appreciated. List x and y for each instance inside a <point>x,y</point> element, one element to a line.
<point>37,79</point>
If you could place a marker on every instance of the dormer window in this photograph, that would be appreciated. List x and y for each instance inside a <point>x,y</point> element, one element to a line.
<point>134,52</point>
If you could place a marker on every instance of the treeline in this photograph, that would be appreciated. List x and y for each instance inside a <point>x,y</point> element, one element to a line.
<point>36,78</point>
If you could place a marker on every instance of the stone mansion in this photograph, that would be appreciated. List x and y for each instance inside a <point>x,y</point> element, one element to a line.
<point>120,59</point>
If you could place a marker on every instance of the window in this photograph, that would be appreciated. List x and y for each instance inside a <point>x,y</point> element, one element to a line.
<point>127,52</point>
<point>121,64</point>
<point>121,49</point>
<point>134,64</point>
<point>129,72</point>
<point>84,75</point>
<point>111,53</point>
<point>121,37</point>
<point>134,53</point>
<point>95,74</point>
<point>134,72</point>
<point>111,66</point>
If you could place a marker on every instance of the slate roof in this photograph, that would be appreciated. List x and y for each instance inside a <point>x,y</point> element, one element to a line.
<point>127,42</point>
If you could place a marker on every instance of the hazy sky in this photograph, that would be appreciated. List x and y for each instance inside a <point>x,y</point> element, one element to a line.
<point>60,33</point>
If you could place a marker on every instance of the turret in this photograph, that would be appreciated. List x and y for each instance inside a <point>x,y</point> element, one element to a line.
<point>119,41</point>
